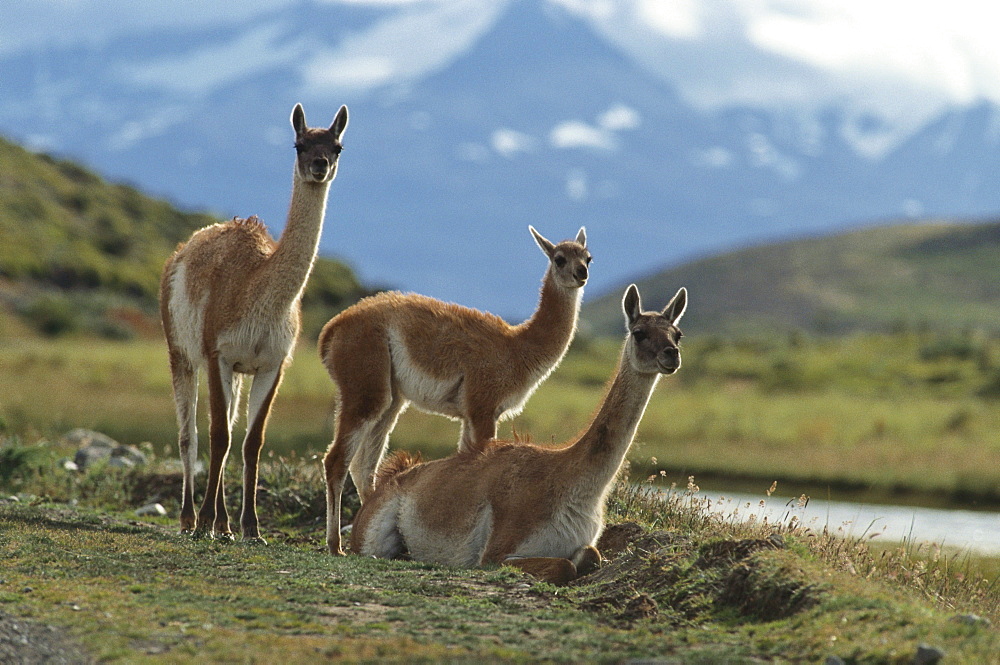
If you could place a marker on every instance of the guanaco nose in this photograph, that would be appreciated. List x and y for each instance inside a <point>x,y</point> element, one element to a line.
<point>580,273</point>
<point>320,165</point>
<point>671,356</point>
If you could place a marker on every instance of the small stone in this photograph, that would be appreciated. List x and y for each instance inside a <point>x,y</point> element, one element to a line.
<point>155,509</point>
<point>972,620</point>
<point>130,453</point>
<point>834,660</point>
<point>70,465</point>
<point>93,447</point>
<point>927,655</point>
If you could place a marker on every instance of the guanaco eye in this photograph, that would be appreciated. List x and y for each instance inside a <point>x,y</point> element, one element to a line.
<point>560,261</point>
<point>589,259</point>
<point>299,148</point>
<point>639,335</point>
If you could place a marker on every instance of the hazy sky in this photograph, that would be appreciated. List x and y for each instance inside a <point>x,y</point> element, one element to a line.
<point>894,65</point>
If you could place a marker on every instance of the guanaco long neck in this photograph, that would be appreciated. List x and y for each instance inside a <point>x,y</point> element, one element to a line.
<point>287,269</point>
<point>550,329</point>
<point>599,452</point>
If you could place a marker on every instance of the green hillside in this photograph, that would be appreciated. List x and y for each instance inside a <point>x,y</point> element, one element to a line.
<point>940,274</point>
<point>84,255</point>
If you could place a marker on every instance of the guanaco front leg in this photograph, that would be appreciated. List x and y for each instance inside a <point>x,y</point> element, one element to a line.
<point>262,392</point>
<point>586,559</point>
<point>557,570</point>
<point>551,569</point>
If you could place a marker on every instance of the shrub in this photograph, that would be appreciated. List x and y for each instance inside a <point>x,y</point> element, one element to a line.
<point>52,314</point>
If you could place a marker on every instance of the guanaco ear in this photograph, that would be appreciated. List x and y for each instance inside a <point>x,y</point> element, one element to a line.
<point>631,304</point>
<point>546,245</point>
<point>298,120</point>
<point>581,237</point>
<point>339,123</point>
<point>677,305</point>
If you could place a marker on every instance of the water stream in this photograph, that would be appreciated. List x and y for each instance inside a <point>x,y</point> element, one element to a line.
<point>977,532</point>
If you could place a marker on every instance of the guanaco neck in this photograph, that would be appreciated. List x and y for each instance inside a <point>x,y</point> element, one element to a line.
<point>284,274</point>
<point>600,450</point>
<point>550,329</point>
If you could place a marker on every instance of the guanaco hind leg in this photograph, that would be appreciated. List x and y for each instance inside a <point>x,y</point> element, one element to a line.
<point>185,383</point>
<point>361,417</point>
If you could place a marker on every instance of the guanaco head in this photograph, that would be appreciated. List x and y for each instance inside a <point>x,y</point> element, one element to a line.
<point>653,337</point>
<point>318,149</point>
<point>569,260</point>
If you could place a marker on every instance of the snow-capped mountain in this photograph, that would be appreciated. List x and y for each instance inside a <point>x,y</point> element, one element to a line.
<point>669,130</point>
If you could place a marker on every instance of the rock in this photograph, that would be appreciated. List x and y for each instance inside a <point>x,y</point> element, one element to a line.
<point>81,437</point>
<point>927,655</point>
<point>151,509</point>
<point>69,465</point>
<point>834,660</point>
<point>972,620</point>
<point>93,447</point>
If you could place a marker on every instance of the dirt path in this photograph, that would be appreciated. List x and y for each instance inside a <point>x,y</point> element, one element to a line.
<point>24,642</point>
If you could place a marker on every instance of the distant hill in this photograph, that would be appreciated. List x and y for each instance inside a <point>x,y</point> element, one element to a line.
<point>936,273</point>
<point>472,119</point>
<point>81,254</point>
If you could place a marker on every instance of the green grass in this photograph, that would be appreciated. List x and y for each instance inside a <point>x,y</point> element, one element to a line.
<point>899,416</point>
<point>696,588</point>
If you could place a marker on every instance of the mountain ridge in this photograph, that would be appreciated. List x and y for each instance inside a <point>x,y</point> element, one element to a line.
<point>936,273</point>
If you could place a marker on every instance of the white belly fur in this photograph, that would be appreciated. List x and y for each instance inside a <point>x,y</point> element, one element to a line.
<point>252,345</point>
<point>426,392</point>
<point>464,549</point>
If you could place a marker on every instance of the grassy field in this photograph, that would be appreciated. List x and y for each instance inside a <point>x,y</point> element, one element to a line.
<point>686,586</point>
<point>900,417</point>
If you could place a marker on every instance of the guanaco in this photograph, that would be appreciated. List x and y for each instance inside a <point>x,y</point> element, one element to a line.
<point>230,302</point>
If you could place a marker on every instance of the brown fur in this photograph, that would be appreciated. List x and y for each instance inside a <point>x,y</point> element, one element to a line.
<point>395,464</point>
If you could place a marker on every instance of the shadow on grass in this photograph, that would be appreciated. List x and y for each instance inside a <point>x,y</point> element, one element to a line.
<point>68,519</point>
